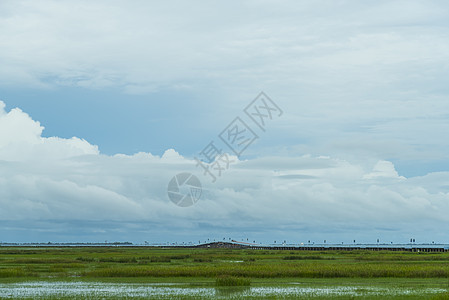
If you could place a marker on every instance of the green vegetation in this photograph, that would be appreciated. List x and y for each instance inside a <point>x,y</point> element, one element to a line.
<point>271,270</point>
<point>444,296</point>
<point>232,281</point>
<point>224,269</point>
<point>100,262</point>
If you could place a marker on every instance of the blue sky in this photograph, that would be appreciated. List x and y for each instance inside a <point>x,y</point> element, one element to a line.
<point>115,98</point>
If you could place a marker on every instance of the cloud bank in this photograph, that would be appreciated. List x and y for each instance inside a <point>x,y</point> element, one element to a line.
<point>363,86</point>
<point>361,79</point>
<point>144,46</point>
<point>68,181</point>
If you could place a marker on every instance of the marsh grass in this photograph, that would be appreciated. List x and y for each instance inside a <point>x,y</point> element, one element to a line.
<point>306,257</point>
<point>444,296</point>
<point>119,260</point>
<point>160,259</point>
<point>232,281</point>
<point>304,270</point>
<point>40,260</point>
<point>15,272</point>
<point>108,262</point>
<point>201,259</point>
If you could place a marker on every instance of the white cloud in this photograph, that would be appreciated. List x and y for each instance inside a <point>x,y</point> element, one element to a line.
<point>57,181</point>
<point>144,45</point>
<point>383,169</point>
<point>353,75</point>
<point>21,139</point>
<point>362,83</point>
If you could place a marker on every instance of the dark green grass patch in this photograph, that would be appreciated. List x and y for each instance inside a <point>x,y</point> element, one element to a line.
<point>232,281</point>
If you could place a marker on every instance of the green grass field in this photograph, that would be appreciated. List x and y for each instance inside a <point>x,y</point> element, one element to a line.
<point>365,274</point>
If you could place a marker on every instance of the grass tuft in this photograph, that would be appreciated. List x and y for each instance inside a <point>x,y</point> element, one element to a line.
<point>232,281</point>
<point>14,272</point>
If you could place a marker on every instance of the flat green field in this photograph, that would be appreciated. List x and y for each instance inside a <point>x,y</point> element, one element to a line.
<point>178,273</point>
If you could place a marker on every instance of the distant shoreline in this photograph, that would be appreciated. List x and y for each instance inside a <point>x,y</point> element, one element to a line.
<point>411,247</point>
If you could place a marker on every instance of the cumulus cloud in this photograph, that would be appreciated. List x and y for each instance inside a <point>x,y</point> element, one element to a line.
<point>68,180</point>
<point>383,169</point>
<point>21,139</point>
<point>359,78</point>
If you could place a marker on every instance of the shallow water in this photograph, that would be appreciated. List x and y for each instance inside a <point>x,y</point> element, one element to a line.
<point>43,290</point>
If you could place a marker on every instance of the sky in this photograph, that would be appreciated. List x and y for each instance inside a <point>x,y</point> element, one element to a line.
<point>103,103</point>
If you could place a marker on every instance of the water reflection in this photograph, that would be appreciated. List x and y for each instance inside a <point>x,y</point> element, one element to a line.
<point>100,290</point>
<point>228,291</point>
